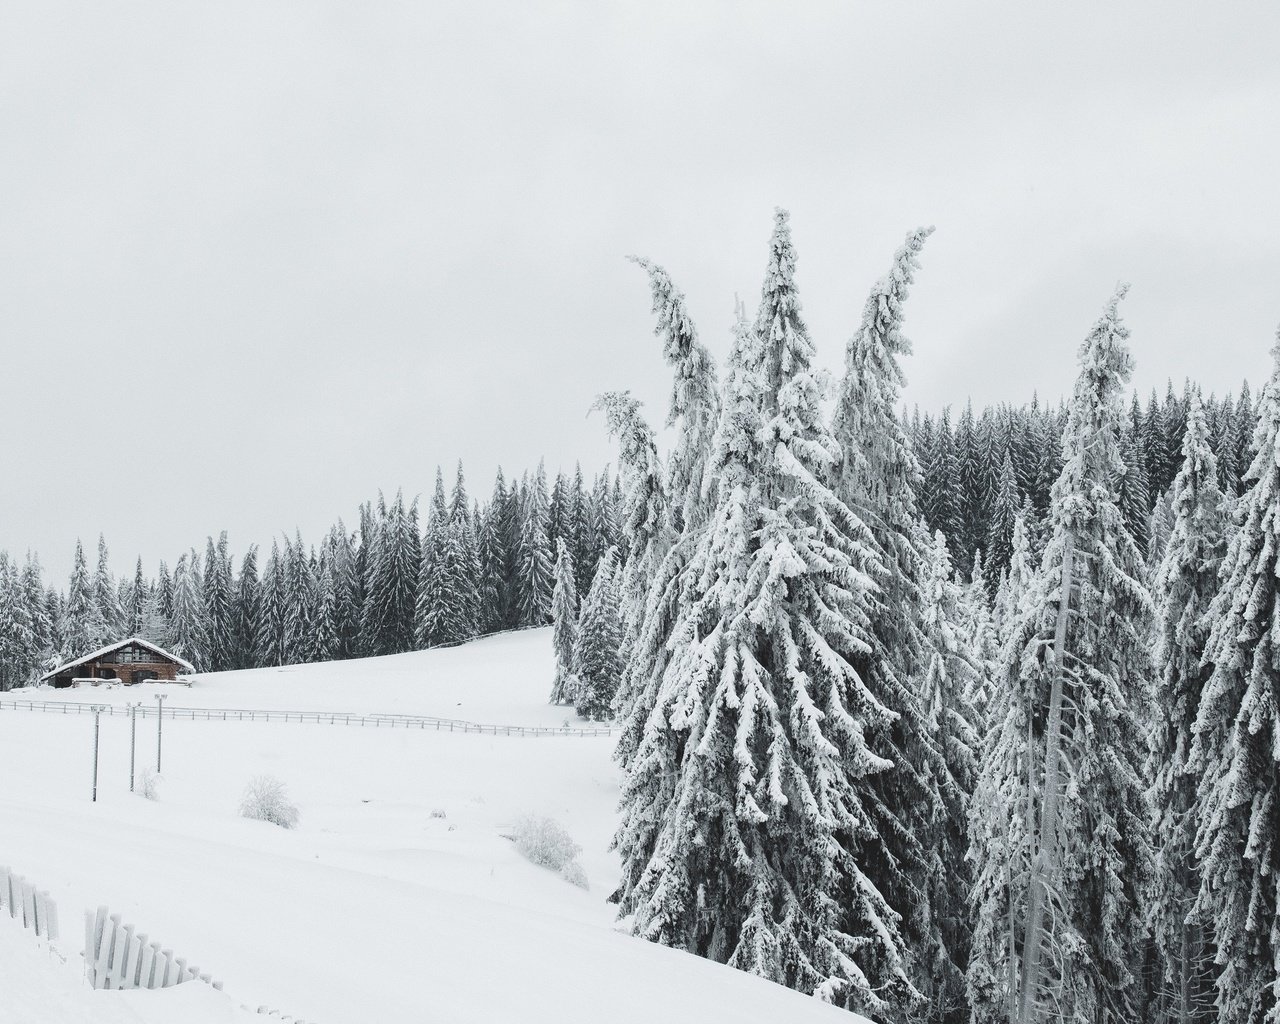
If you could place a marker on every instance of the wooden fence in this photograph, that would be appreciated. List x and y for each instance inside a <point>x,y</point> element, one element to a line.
<point>38,912</point>
<point>371,721</point>
<point>116,957</point>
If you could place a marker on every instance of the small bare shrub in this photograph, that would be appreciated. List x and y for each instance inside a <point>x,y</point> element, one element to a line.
<point>265,799</point>
<point>149,784</point>
<point>437,812</point>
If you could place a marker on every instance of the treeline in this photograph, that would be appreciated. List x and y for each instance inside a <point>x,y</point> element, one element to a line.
<point>387,586</point>
<point>979,473</point>
<point>951,723</point>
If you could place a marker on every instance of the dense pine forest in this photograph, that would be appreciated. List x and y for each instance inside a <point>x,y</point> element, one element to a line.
<point>951,718</point>
<point>937,717</point>
<point>392,584</point>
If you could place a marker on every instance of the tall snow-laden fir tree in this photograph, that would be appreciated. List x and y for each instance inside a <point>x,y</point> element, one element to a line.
<point>468,559</point>
<point>17,638</point>
<point>1236,749</point>
<point>136,612</point>
<point>188,625</point>
<point>395,564</point>
<point>218,601</point>
<point>878,480</point>
<point>564,619</point>
<point>275,608</point>
<point>1185,585</point>
<point>597,648</point>
<point>951,677</point>
<point>762,705</point>
<point>492,557</point>
<point>301,599</point>
<point>246,623</point>
<point>83,627</point>
<point>695,401</point>
<point>999,536</point>
<point>107,597</point>
<point>535,575</point>
<point>1059,827</point>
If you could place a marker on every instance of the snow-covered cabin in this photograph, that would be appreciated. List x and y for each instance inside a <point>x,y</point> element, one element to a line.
<point>131,661</point>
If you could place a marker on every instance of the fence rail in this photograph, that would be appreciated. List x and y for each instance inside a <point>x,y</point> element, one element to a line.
<point>33,906</point>
<point>116,958</point>
<point>371,721</point>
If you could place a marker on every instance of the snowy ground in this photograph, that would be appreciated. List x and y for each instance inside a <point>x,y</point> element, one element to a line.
<point>373,909</point>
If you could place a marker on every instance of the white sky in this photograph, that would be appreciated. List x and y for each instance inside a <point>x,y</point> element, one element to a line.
<point>260,259</point>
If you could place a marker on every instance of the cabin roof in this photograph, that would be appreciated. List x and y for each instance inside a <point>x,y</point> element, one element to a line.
<point>102,651</point>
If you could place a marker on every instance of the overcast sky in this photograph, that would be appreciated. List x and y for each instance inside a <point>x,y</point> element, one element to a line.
<point>260,259</point>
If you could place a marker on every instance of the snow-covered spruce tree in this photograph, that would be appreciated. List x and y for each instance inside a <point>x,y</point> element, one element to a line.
<point>535,573</point>
<point>188,625</point>
<point>136,612</point>
<point>982,644</point>
<point>1015,584</point>
<point>346,584</point>
<point>649,779</point>
<point>437,614</point>
<point>106,596</point>
<point>578,532</point>
<point>301,603</point>
<point>1135,499</point>
<point>83,627</point>
<point>1236,749</point>
<point>246,612</point>
<point>695,400</point>
<point>1185,586</point>
<point>468,560</point>
<point>1059,834</point>
<point>597,648</point>
<point>17,640</point>
<point>762,706</point>
<point>43,625</point>
<point>564,618</point>
<point>666,512</point>
<point>879,477</point>
<point>218,583</point>
<point>951,677</point>
<point>396,561</point>
<point>1004,509</point>
<point>271,636</point>
<point>492,557</point>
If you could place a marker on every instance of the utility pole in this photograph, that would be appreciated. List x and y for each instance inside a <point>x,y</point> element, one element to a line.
<point>159,726</point>
<point>97,713</point>
<point>133,739</point>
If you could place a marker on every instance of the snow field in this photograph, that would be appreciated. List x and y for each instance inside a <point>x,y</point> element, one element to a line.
<point>372,909</point>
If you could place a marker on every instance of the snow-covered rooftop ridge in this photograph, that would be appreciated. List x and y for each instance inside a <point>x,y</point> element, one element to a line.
<point>102,651</point>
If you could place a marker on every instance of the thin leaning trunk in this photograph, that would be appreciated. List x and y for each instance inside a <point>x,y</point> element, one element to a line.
<point>1044,863</point>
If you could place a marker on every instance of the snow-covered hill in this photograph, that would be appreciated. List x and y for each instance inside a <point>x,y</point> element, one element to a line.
<point>398,898</point>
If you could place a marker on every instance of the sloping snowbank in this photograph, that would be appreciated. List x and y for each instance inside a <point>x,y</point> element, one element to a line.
<point>38,987</point>
<point>399,897</point>
<point>503,679</point>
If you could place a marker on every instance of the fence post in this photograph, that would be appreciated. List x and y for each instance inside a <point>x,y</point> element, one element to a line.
<point>133,741</point>
<point>97,714</point>
<point>159,726</point>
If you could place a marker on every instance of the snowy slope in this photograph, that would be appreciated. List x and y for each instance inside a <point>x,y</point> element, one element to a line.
<point>499,680</point>
<point>38,987</point>
<point>372,909</point>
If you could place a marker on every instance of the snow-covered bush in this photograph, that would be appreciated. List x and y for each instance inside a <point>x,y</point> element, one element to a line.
<point>265,799</point>
<point>574,875</point>
<point>545,842</point>
<point>437,812</point>
<point>149,784</point>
